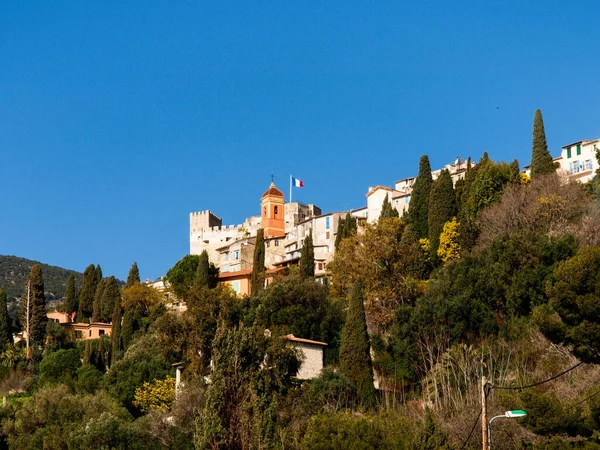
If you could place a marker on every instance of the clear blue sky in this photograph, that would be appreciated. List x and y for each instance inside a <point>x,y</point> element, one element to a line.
<point>119,118</point>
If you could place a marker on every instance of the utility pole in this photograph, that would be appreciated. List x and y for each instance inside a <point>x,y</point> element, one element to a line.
<point>484,422</point>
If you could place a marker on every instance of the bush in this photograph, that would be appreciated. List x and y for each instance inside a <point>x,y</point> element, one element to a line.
<point>60,367</point>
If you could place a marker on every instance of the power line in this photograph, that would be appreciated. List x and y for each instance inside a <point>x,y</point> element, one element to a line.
<point>472,429</point>
<point>541,382</point>
<point>584,400</point>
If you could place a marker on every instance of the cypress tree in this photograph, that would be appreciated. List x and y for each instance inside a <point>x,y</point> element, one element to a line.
<point>71,296</point>
<point>111,295</point>
<point>342,232</point>
<point>202,277</point>
<point>116,340</point>
<point>258,263</point>
<point>127,329</point>
<point>541,160</point>
<point>88,292</point>
<point>442,208</point>
<point>355,355</point>
<point>133,276</point>
<point>6,336</point>
<point>98,297</point>
<point>99,275</point>
<point>307,257</point>
<point>37,324</point>
<point>387,210</point>
<point>419,202</point>
<point>351,226</point>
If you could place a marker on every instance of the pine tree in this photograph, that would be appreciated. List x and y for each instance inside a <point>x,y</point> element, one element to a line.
<point>6,336</point>
<point>88,292</point>
<point>116,340</point>
<point>355,355</point>
<point>442,208</point>
<point>99,275</point>
<point>134,276</point>
<point>341,232</point>
<point>387,210</point>
<point>202,277</point>
<point>71,296</point>
<point>419,202</point>
<point>38,321</point>
<point>541,160</point>
<point>111,296</point>
<point>258,263</point>
<point>307,257</point>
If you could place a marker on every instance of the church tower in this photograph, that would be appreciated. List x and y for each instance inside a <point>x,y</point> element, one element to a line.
<point>272,217</point>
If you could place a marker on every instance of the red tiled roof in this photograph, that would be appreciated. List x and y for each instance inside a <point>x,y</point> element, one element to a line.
<point>235,274</point>
<point>272,191</point>
<point>376,188</point>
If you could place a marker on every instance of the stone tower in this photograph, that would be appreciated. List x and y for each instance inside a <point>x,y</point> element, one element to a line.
<point>272,213</point>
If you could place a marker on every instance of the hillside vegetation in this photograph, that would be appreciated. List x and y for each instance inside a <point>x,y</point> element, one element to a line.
<point>14,271</point>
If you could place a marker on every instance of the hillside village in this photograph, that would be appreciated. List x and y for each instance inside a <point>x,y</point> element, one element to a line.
<point>286,225</point>
<point>453,298</point>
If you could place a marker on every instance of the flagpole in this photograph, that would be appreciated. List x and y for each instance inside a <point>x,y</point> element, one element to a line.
<point>290,188</point>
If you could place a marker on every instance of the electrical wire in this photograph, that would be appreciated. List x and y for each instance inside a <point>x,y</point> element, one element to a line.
<point>538,383</point>
<point>472,429</point>
<point>584,400</point>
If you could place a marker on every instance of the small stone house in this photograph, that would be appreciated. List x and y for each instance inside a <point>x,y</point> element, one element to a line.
<point>312,352</point>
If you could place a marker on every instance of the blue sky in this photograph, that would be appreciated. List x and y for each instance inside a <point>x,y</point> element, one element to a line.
<point>119,118</point>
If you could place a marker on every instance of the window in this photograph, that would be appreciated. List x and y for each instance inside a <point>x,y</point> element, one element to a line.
<point>406,199</point>
<point>236,285</point>
<point>276,243</point>
<point>327,235</point>
<point>327,223</point>
<point>237,255</point>
<point>264,210</point>
<point>267,244</point>
<point>78,334</point>
<point>568,152</point>
<point>90,333</point>
<point>276,210</point>
<point>578,149</point>
<point>588,164</point>
<point>100,332</point>
<point>227,256</point>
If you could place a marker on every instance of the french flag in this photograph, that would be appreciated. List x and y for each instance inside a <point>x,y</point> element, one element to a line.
<point>297,183</point>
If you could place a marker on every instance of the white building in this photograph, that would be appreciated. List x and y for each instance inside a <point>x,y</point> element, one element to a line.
<point>578,160</point>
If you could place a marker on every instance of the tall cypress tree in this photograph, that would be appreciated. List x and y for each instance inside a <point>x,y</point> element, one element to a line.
<point>71,296</point>
<point>37,325</point>
<point>88,292</point>
<point>116,340</point>
<point>442,208</point>
<point>341,232</point>
<point>202,277</point>
<point>133,276</point>
<point>355,355</point>
<point>258,263</point>
<point>307,257</point>
<point>6,336</point>
<point>419,203</point>
<point>98,297</point>
<point>111,295</point>
<point>541,160</point>
<point>387,210</point>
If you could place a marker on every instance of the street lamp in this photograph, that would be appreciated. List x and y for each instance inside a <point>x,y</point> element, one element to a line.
<point>514,414</point>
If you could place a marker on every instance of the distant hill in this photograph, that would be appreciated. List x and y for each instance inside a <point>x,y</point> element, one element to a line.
<point>14,272</point>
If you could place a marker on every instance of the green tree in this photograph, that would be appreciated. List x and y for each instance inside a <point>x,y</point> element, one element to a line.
<point>387,210</point>
<point>111,296</point>
<point>575,296</point>
<point>418,208</point>
<point>60,367</point>
<point>182,274</point>
<point>258,263</point>
<point>355,355</point>
<point>203,270</point>
<point>442,208</point>
<point>307,257</point>
<point>133,276</point>
<point>87,294</point>
<point>71,305</point>
<point>6,337</point>
<point>98,298</point>
<point>116,339</point>
<point>541,160</point>
<point>39,319</point>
